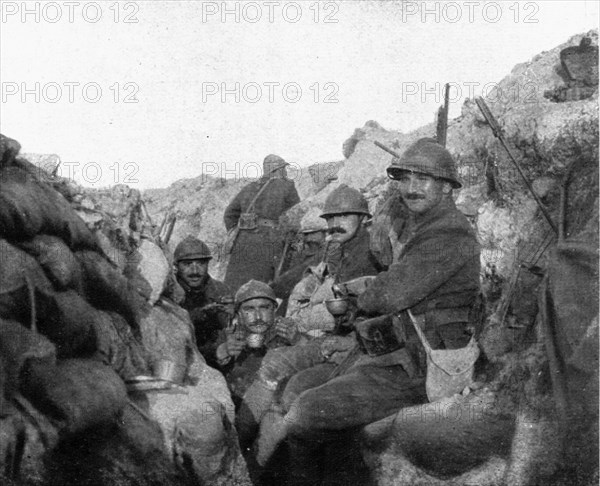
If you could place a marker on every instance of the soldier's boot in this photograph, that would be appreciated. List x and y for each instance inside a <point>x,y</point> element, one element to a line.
<point>306,466</point>
<point>257,400</point>
<point>273,431</point>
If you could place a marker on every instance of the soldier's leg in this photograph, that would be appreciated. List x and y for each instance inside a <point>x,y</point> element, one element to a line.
<point>363,395</point>
<point>274,425</point>
<point>277,366</point>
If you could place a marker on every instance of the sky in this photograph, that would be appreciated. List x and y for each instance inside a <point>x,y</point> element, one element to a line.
<point>149,92</point>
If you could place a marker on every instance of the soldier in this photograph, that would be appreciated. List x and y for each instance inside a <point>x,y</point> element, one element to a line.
<point>204,296</point>
<point>242,347</point>
<point>436,276</point>
<point>350,259</point>
<point>313,229</point>
<point>255,213</point>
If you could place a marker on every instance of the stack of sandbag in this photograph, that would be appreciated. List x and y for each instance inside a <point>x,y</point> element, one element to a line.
<point>196,417</point>
<point>69,335</point>
<point>84,276</point>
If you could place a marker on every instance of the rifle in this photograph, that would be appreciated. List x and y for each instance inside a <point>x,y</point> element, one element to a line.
<point>497,131</point>
<point>387,149</point>
<point>442,118</point>
<point>286,248</point>
<point>170,226</point>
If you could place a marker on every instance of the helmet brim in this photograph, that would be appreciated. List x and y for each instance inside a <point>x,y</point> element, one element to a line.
<point>327,215</point>
<point>194,256</point>
<point>394,172</point>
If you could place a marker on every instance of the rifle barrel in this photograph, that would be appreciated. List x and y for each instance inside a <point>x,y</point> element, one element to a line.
<point>497,131</point>
<point>170,229</point>
<point>442,119</point>
<point>387,149</point>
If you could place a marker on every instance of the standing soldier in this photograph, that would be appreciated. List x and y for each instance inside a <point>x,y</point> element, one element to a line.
<point>204,296</point>
<point>254,214</point>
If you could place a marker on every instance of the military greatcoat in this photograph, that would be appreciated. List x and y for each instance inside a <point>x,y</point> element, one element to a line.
<point>256,253</point>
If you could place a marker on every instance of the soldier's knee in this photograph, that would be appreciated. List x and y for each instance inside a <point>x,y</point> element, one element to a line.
<point>303,414</point>
<point>271,368</point>
<point>291,392</point>
<point>278,364</point>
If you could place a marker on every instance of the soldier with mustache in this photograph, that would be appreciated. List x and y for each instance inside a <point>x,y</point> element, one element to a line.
<point>241,347</point>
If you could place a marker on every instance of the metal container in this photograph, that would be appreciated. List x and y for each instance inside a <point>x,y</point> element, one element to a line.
<point>255,340</point>
<point>337,307</point>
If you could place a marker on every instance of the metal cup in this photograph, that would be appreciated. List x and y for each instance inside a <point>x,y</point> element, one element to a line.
<point>255,340</point>
<point>337,307</point>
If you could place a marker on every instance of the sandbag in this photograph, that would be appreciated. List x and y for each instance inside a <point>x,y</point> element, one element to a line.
<point>148,269</point>
<point>573,286</point>
<point>168,334</point>
<point>127,454</point>
<point>9,149</point>
<point>307,302</point>
<point>29,207</point>
<point>57,260</point>
<point>450,437</point>
<point>21,280</point>
<point>12,432</point>
<point>75,394</point>
<point>17,346</point>
<point>106,288</point>
<point>198,433</point>
<point>69,322</point>
<point>35,437</point>
<point>118,347</point>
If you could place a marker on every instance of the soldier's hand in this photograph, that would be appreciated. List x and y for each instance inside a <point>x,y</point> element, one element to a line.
<point>332,344</point>
<point>286,328</point>
<point>347,320</point>
<point>232,347</point>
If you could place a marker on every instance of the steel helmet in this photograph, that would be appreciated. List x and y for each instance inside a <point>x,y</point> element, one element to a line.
<point>273,162</point>
<point>254,289</point>
<point>191,248</point>
<point>427,157</point>
<point>343,200</point>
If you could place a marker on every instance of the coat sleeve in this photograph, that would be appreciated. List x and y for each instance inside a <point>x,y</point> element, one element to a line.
<point>232,212</point>
<point>426,265</point>
<point>292,197</point>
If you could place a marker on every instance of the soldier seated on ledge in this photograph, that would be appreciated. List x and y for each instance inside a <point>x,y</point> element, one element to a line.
<point>241,347</point>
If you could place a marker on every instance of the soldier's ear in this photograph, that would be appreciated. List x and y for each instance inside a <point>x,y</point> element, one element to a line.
<point>446,187</point>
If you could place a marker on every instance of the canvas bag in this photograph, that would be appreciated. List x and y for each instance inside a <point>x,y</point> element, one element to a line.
<point>246,221</point>
<point>449,371</point>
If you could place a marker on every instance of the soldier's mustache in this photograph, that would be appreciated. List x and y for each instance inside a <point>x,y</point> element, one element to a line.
<point>414,197</point>
<point>336,229</point>
<point>259,325</point>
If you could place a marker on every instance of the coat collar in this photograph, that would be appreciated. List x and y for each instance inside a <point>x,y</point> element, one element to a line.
<point>445,206</point>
